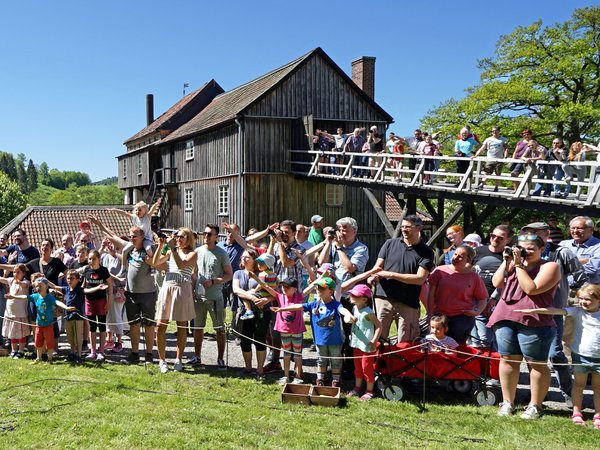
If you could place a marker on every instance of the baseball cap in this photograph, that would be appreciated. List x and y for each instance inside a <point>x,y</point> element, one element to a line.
<point>473,238</point>
<point>316,218</point>
<point>289,281</point>
<point>267,260</point>
<point>537,226</point>
<point>327,267</point>
<point>326,282</point>
<point>361,290</point>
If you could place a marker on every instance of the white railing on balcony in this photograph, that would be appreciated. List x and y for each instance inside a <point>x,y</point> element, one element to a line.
<point>536,178</point>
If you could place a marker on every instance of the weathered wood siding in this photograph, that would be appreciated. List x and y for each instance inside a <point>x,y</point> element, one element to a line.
<point>134,178</point>
<point>215,155</point>
<point>317,89</point>
<point>266,144</point>
<point>205,199</point>
<point>274,198</point>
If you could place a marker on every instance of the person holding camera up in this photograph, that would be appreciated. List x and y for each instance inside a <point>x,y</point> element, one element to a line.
<point>527,282</point>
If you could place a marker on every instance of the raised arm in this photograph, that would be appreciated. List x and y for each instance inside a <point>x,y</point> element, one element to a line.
<point>120,211</point>
<point>272,292</point>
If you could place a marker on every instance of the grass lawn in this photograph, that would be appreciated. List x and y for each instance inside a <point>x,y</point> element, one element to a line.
<point>116,406</point>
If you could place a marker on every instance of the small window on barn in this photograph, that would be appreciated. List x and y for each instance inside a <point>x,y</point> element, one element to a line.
<point>124,168</point>
<point>139,165</point>
<point>223,200</point>
<point>188,199</point>
<point>189,150</point>
<point>334,195</point>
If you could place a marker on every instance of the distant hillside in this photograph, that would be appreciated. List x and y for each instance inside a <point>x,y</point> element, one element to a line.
<point>106,181</point>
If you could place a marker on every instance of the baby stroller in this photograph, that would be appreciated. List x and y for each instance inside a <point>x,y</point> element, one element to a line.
<point>465,368</point>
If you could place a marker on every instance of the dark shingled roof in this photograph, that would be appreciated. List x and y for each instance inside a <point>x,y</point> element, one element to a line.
<point>226,106</point>
<point>41,222</point>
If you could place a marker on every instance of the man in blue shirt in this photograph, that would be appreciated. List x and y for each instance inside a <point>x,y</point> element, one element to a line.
<point>585,246</point>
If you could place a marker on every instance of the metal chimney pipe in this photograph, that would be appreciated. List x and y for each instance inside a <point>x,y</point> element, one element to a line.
<point>149,109</point>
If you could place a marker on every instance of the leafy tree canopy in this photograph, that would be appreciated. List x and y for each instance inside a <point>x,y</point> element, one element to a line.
<point>546,78</point>
<point>12,200</point>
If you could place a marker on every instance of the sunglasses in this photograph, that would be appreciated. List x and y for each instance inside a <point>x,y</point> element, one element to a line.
<point>495,236</point>
<point>528,237</point>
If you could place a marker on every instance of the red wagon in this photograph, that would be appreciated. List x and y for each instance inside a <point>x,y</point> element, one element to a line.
<point>465,368</point>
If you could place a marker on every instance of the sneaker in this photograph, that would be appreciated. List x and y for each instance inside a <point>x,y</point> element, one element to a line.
<point>108,346</point>
<point>149,358</point>
<point>297,381</point>
<point>132,358</point>
<point>335,383</point>
<point>283,380</point>
<point>568,400</point>
<point>532,412</point>
<point>194,361</point>
<point>100,357</point>
<point>221,364</point>
<point>19,355</point>
<point>91,357</point>
<point>12,355</point>
<point>71,357</point>
<point>272,367</point>
<point>77,359</point>
<point>366,396</point>
<point>117,348</point>
<point>247,315</point>
<point>178,366</point>
<point>506,409</point>
<point>162,366</point>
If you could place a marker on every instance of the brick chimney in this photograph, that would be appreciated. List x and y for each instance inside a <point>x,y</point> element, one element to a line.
<point>363,74</point>
<point>149,109</point>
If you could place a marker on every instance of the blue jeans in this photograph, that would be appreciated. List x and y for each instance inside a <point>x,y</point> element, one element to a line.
<point>482,335</point>
<point>559,174</point>
<point>533,343</point>
<point>563,372</point>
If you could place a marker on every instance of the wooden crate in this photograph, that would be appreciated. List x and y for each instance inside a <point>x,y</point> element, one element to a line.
<point>325,396</point>
<point>296,393</point>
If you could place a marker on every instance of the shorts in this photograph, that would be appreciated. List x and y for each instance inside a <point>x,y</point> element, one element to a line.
<point>291,343</point>
<point>407,317</point>
<point>495,167</point>
<point>533,343</point>
<point>95,307</point>
<point>333,351</point>
<point>44,335</point>
<point>140,308</point>
<point>588,364</point>
<point>216,309</point>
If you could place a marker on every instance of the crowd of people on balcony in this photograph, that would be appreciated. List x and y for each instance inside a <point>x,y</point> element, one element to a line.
<point>553,179</point>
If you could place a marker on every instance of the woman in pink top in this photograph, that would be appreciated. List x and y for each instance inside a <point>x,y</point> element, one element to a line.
<point>457,292</point>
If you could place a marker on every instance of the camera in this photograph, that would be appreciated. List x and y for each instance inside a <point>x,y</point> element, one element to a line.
<point>508,251</point>
<point>331,233</point>
<point>271,233</point>
<point>161,235</point>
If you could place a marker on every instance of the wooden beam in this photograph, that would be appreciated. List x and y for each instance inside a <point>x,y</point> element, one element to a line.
<point>380,212</point>
<point>451,219</point>
<point>482,217</point>
<point>430,209</point>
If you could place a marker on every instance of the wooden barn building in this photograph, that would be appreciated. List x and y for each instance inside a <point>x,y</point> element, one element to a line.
<point>225,156</point>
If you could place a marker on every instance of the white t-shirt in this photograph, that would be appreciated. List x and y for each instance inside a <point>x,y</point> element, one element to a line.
<point>495,147</point>
<point>144,223</point>
<point>586,332</point>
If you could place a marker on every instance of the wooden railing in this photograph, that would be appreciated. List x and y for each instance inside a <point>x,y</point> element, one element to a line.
<point>394,170</point>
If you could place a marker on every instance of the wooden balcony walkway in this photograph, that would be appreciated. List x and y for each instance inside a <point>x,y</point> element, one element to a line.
<point>391,173</point>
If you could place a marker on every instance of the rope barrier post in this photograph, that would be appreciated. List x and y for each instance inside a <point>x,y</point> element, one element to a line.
<point>227,328</point>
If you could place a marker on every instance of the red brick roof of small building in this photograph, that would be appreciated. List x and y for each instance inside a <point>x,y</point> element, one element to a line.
<point>41,222</point>
<point>393,210</point>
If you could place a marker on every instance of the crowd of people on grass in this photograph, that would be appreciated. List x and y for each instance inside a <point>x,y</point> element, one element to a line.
<point>528,150</point>
<point>510,292</point>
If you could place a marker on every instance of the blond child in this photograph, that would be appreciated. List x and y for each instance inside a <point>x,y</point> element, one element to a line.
<point>84,235</point>
<point>45,304</point>
<point>265,264</point>
<point>365,333</point>
<point>16,324</point>
<point>585,347</point>
<point>140,217</point>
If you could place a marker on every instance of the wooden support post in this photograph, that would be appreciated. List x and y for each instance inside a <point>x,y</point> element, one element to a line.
<point>442,229</point>
<point>380,212</point>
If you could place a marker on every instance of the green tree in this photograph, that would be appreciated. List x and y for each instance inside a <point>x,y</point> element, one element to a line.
<point>43,173</point>
<point>12,200</point>
<point>21,172</point>
<point>7,165</point>
<point>32,177</point>
<point>546,78</point>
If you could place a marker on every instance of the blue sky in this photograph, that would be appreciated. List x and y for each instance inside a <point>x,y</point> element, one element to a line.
<point>75,73</point>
